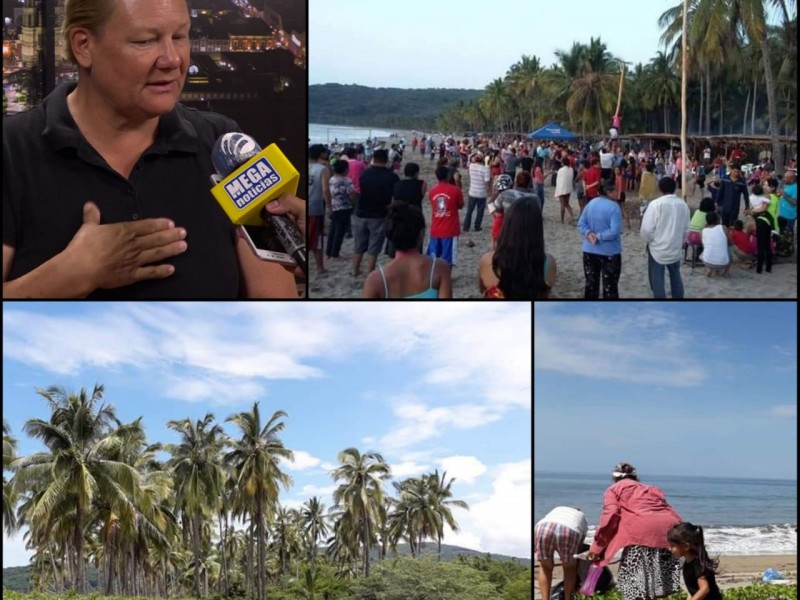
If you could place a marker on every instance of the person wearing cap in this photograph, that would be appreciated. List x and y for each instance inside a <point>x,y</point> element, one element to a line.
<point>600,226</point>
<point>635,519</point>
<point>561,530</point>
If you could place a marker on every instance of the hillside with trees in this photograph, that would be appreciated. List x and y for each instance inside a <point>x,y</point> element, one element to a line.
<point>391,108</point>
<point>742,79</point>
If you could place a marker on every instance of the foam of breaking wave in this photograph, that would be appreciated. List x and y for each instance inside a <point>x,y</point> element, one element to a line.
<point>744,541</point>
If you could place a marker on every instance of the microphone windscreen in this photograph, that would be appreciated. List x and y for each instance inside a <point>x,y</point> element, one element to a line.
<point>232,150</point>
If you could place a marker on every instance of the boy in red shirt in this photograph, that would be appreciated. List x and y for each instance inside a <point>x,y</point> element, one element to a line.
<point>446,199</point>
<point>591,180</point>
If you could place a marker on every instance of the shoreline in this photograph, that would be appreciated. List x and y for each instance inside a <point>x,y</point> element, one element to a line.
<point>734,570</point>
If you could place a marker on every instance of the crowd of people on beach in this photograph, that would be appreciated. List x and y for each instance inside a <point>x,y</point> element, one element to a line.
<point>746,213</point>
<point>637,521</point>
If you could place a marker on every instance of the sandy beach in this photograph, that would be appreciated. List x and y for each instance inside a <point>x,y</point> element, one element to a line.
<point>338,282</point>
<point>734,571</point>
<point>563,242</point>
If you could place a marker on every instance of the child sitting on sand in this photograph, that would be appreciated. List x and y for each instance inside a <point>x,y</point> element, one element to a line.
<point>743,243</point>
<point>699,569</point>
<point>715,254</point>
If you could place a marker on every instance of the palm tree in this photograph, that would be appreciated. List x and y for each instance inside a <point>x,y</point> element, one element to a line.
<point>662,86</point>
<point>255,461</point>
<point>361,493</point>
<point>198,473</point>
<point>9,455</point>
<point>314,525</point>
<point>441,500</point>
<point>495,103</point>
<point>75,470</point>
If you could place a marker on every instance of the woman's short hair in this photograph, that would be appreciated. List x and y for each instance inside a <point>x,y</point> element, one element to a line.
<point>707,205</point>
<point>404,223</point>
<point>90,14</point>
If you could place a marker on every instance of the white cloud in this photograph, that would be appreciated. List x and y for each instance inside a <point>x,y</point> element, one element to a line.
<point>501,523</point>
<point>465,469</point>
<point>215,390</point>
<point>313,490</point>
<point>785,410</point>
<point>419,422</point>
<point>328,466</point>
<point>14,552</point>
<point>651,347</point>
<point>368,439</point>
<point>404,469</point>
<point>302,460</point>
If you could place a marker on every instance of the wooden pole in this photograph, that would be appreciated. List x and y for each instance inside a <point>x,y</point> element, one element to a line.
<point>684,157</point>
<point>621,80</point>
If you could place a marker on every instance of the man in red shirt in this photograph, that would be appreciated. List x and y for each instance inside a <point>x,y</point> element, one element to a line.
<point>591,180</point>
<point>446,199</point>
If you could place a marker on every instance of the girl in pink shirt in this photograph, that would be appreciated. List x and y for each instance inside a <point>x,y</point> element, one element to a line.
<point>636,518</point>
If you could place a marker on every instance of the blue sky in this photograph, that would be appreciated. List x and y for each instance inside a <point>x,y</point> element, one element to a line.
<point>692,388</point>
<point>428,385</point>
<point>418,43</point>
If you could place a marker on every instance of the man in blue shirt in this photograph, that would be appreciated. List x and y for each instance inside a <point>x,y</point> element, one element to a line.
<point>787,214</point>
<point>599,225</point>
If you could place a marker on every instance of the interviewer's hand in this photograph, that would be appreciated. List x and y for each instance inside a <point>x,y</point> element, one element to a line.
<point>293,206</point>
<point>592,557</point>
<point>118,254</point>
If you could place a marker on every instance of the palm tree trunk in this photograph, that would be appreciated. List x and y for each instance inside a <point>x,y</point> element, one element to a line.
<point>366,545</point>
<point>700,115</point>
<point>196,548</point>
<point>80,582</point>
<point>439,547</point>
<point>721,131</point>
<point>224,559</point>
<point>753,113</point>
<point>744,117</point>
<point>708,99</point>
<point>772,105</point>
<point>260,542</point>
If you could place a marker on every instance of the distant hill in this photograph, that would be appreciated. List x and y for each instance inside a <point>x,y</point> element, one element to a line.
<point>18,578</point>
<point>337,104</point>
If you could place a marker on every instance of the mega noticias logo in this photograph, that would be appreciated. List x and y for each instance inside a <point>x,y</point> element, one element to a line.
<point>252,183</point>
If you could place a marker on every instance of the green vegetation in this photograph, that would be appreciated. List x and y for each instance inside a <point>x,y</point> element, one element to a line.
<point>742,78</point>
<point>105,514</point>
<point>335,104</point>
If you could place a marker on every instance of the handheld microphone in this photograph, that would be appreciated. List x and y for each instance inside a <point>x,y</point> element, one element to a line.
<point>247,179</point>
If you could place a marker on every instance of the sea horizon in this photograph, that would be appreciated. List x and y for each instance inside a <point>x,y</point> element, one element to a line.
<point>739,477</point>
<point>740,515</point>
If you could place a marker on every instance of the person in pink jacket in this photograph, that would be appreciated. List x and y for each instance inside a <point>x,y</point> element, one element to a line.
<point>636,518</point>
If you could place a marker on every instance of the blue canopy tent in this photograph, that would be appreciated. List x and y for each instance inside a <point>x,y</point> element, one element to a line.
<point>552,131</point>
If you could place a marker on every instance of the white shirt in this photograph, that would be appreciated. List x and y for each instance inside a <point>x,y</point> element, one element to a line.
<point>756,201</point>
<point>715,246</point>
<point>568,517</point>
<point>606,160</point>
<point>564,178</point>
<point>479,176</point>
<point>664,227</point>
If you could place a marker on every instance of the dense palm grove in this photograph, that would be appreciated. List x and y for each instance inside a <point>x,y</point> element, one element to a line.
<point>208,519</point>
<point>741,69</point>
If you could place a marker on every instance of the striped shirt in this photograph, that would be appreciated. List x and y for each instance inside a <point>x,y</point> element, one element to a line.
<point>479,176</point>
<point>568,517</point>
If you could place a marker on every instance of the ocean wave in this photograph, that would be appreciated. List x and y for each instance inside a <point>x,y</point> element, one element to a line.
<point>744,541</point>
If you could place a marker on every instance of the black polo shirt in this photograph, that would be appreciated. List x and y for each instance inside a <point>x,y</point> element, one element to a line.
<point>50,171</point>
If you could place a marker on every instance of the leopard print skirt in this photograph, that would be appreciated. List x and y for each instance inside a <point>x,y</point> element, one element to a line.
<point>648,573</point>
